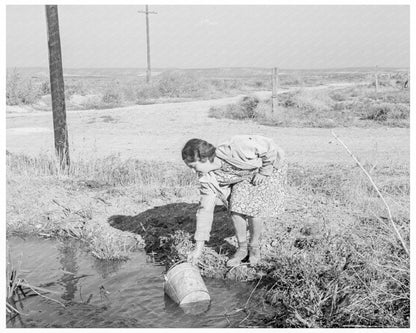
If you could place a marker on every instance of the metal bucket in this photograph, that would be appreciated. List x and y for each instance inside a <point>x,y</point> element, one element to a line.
<point>184,285</point>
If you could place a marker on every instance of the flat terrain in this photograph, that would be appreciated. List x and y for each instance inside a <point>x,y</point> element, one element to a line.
<point>332,237</point>
<point>158,132</point>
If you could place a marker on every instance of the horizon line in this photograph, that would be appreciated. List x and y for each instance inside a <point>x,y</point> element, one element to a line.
<point>227,67</point>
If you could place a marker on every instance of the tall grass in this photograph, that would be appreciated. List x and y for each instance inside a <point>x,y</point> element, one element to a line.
<point>111,170</point>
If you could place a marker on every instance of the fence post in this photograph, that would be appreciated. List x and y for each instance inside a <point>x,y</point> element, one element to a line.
<point>57,86</point>
<point>376,77</point>
<point>275,84</point>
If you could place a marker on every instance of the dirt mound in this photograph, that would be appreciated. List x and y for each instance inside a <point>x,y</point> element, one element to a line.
<point>162,222</point>
<point>168,232</point>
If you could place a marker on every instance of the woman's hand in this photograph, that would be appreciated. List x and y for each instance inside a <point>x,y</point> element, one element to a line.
<point>258,179</point>
<point>193,256</point>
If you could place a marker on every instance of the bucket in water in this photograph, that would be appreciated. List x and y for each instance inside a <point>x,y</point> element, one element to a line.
<point>185,286</point>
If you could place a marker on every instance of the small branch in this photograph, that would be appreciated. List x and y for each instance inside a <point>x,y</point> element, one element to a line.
<point>41,295</point>
<point>378,192</point>
<point>251,294</point>
<point>13,308</point>
<point>65,209</point>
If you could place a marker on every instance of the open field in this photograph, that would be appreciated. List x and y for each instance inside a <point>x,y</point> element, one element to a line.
<point>331,259</point>
<point>109,88</point>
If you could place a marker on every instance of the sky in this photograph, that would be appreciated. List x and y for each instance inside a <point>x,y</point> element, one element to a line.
<point>207,36</point>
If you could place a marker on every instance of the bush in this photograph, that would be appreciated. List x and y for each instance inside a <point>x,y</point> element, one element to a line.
<point>248,105</point>
<point>244,109</point>
<point>45,88</point>
<point>75,88</point>
<point>400,111</point>
<point>147,92</point>
<point>309,101</point>
<point>175,84</point>
<point>385,111</point>
<point>337,96</point>
<point>112,95</point>
<point>20,90</point>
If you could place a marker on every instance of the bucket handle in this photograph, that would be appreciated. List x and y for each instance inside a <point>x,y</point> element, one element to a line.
<point>177,263</point>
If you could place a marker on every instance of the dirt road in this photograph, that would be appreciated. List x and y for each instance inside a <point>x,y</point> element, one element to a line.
<point>158,132</point>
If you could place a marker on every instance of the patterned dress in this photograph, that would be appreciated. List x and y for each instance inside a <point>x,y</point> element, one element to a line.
<point>264,200</point>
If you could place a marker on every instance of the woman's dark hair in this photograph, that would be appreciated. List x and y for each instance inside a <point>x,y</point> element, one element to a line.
<point>198,150</point>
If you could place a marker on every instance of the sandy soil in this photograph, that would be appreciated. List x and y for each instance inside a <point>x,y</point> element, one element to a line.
<point>158,132</point>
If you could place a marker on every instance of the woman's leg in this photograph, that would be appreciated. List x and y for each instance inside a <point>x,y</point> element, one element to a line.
<point>255,225</point>
<point>240,227</point>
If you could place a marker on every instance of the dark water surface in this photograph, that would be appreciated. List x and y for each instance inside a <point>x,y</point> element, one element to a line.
<point>99,293</point>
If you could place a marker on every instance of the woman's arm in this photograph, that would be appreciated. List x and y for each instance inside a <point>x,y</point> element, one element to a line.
<point>205,214</point>
<point>204,217</point>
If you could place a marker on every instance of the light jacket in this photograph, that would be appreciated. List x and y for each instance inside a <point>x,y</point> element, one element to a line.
<point>247,152</point>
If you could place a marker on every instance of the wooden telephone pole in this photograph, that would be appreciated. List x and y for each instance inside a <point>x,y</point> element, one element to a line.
<point>148,71</point>
<point>275,85</point>
<point>376,79</point>
<point>57,86</point>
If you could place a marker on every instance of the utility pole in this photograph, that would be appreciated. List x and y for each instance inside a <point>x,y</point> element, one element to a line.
<point>275,85</point>
<point>57,86</point>
<point>148,71</point>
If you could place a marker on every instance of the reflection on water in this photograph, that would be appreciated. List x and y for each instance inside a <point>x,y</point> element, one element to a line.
<point>68,259</point>
<point>99,293</point>
<point>107,267</point>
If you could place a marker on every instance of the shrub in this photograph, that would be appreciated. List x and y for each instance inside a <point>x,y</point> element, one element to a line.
<point>337,96</point>
<point>112,95</point>
<point>384,111</point>
<point>400,111</point>
<point>147,92</point>
<point>20,89</point>
<point>175,84</point>
<point>75,88</point>
<point>309,101</point>
<point>248,106</point>
<point>379,112</point>
<point>244,109</point>
<point>45,87</point>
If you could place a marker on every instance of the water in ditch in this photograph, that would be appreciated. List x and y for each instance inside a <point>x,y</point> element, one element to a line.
<point>96,293</point>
